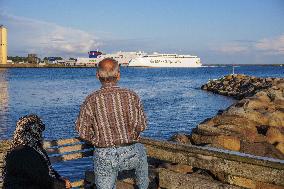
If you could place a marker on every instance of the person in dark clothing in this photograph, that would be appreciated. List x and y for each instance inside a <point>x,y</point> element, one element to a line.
<point>27,164</point>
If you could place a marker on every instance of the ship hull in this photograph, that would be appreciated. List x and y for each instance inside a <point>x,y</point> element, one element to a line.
<point>164,62</point>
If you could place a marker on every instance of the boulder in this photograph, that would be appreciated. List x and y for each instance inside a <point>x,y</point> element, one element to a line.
<point>221,141</point>
<point>280,84</point>
<point>258,117</point>
<point>253,116</point>
<point>180,138</point>
<point>280,147</point>
<point>204,87</point>
<point>235,109</point>
<point>276,119</point>
<point>262,96</point>
<point>274,94</point>
<point>223,92</point>
<point>229,77</point>
<point>208,129</point>
<point>274,135</point>
<point>226,82</point>
<point>244,132</point>
<point>227,142</point>
<point>261,149</point>
<point>257,103</point>
<point>226,119</point>
<point>269,79</point>
<point>240,76</point>
<point>198,139</point>
<point>279,104</point>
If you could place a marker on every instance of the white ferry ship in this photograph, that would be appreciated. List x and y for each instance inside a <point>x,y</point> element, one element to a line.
<point>165,60</point>
<point>142,59</point>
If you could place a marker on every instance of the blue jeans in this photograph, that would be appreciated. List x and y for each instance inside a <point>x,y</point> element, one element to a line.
<point>109,161</point>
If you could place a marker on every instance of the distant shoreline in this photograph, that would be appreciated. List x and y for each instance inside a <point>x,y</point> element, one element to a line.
<point>41,66</point>
<point>64,66</point>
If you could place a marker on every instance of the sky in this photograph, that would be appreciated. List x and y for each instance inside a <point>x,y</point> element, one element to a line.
<point>217,31</point>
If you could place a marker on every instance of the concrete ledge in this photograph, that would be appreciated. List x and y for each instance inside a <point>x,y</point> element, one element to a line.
<point>261,169</point>
<point>209,151</point>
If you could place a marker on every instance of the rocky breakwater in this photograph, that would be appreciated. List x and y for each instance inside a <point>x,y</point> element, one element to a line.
<point>254,124</point>
<point>239,86</point>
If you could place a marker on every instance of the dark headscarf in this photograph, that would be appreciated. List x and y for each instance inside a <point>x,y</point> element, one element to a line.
<point>29,133</point>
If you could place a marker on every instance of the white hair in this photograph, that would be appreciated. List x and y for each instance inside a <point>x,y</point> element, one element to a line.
<point>108,73</point>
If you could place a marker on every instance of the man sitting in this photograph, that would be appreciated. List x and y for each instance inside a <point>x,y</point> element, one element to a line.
<point>112,118</point>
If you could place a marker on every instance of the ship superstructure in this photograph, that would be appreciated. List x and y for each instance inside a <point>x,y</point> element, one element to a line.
<point>95,57</point>
<point>123,58</point>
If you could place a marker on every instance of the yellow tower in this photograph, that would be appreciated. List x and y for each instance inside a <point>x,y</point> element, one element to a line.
<point>3,45</point>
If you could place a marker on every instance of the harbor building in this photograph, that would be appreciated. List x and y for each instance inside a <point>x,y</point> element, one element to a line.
<point>3,45</point>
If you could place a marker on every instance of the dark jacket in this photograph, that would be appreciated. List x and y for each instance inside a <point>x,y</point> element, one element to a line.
<point>26,168</point>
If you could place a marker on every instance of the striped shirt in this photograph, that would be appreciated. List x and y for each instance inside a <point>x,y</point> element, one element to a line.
<point>111,116</point>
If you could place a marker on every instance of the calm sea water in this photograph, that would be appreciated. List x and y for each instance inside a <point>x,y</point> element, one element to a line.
<point>172,99</point>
